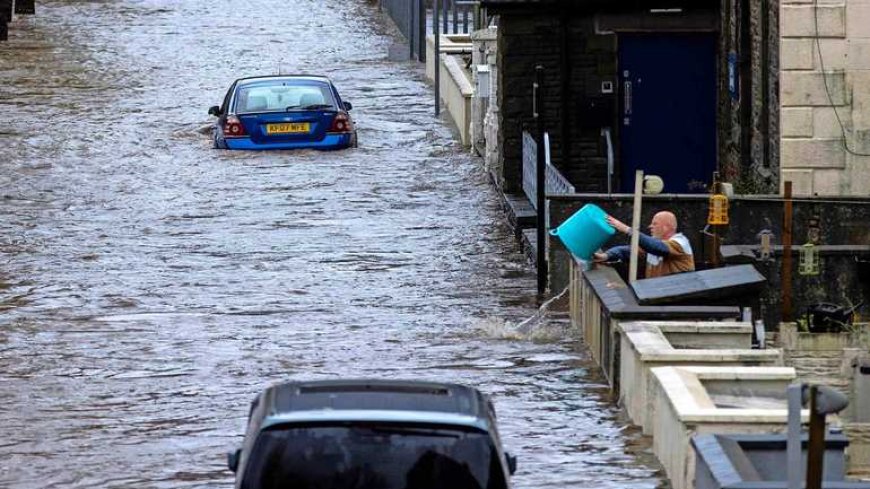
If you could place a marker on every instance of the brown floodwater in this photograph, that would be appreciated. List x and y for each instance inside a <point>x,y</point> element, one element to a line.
<point>151,285</point>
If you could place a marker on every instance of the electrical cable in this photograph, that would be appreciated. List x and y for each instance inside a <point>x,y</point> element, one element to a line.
<point>827,89</point>
<point>851,200</point>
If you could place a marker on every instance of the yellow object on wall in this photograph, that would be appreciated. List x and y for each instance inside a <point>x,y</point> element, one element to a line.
<point>718,214</point>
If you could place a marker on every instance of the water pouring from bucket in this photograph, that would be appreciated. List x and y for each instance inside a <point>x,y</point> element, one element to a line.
<point>585,232</point>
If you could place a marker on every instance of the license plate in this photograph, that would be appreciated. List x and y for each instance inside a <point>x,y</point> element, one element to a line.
<point>288,128</point>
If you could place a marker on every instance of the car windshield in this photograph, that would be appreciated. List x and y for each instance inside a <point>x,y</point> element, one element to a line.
<point>282,97</point>
<point>373,457</point>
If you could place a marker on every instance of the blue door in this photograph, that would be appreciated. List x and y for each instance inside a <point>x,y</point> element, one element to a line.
<point>668,109</point>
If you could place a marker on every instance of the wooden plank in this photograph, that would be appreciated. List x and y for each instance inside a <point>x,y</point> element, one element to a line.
<point>621,303</point>
<point>635,226</point>
<point>713,284</point>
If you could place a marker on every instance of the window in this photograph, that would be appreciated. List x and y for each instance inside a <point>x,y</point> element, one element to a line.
<point>281,98</point>
<point>373,456</point>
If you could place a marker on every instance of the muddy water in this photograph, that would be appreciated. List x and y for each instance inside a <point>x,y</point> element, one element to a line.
<point>150,285</point>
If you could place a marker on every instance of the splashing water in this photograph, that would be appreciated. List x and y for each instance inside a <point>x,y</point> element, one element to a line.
<point>529,325</point>
<point>539,327</point>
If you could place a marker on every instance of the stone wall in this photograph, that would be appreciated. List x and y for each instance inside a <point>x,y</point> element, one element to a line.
<point>826,98</point>
<point>858,453</point>
<point>748,113</point>
<point>843,222</point>
<point>482,54</point>
<point>829,359</point>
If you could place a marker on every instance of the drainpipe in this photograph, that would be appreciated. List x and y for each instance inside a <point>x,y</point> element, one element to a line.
<point>437,61</point>
<point>421,31</point>
<point>541,182</point>
<point>745,86</point>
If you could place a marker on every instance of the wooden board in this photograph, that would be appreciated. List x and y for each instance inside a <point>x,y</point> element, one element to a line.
<point>713,284</point>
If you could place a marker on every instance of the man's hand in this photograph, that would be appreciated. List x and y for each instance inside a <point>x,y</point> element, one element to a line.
<point>599,257</point>
<point>618,225</point>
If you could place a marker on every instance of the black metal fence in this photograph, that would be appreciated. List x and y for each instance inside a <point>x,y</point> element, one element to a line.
<point>410,18</point>
<point>415,18</point>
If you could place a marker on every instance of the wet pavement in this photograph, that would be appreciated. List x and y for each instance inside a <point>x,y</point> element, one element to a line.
<point>150,285</point>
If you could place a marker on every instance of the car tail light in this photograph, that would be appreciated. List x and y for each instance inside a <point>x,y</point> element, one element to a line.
<point>233,128</point>
<point>341,123</point>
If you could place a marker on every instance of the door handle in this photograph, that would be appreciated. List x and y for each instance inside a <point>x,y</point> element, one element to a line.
<point>628,96</point>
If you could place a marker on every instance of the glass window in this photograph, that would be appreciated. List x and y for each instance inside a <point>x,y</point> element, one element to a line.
<point>282,98</point>
<point>373,457</point>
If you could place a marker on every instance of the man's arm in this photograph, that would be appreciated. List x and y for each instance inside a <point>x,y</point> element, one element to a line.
<point>617,253</point>
<point>647,243</point>
<point>623,253</point>
<point>653,246</point>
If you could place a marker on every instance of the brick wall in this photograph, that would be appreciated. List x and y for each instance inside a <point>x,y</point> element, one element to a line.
<point>817,90</point>
<point>552,41</point>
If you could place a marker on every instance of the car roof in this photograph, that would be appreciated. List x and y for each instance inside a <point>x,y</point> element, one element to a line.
<point>376,400</point>
<point>310,78</point>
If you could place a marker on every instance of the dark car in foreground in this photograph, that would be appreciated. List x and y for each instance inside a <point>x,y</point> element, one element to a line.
<point>371,434</point>
<point>283,112</point>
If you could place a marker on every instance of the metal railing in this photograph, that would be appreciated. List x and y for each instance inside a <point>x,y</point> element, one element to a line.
<point>555,182</point>
<point>415,18</point>
<point>461,16</point>
<point>410,17</point>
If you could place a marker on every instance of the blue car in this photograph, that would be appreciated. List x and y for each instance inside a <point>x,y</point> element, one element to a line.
<point>283,112</point>
<point>365,433</point>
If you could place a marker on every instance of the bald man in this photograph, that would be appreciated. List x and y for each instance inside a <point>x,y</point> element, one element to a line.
<point>666,251</point>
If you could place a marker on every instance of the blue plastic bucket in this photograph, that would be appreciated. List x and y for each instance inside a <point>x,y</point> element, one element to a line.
<point>585,231</point>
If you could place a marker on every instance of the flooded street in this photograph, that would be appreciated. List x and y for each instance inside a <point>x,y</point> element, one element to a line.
<point>151,285</point>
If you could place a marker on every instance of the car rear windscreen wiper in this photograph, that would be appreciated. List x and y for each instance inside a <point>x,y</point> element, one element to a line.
<point>414,431</point>
<point>291,108</point>
<point>317,106</point>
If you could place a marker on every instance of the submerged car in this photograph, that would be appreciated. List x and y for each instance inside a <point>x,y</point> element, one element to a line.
<point>371,434</point>
<point>283,112</point>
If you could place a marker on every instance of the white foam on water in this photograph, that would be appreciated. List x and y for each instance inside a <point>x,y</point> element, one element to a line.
<point>538,327</point>
<point>529,325</point>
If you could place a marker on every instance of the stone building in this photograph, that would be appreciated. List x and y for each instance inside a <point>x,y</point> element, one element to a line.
<point>825,111</point>
<point>682,88</point>
<point>759,91</point>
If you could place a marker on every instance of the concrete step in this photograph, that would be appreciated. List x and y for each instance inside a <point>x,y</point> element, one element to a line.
<point>521,214</point>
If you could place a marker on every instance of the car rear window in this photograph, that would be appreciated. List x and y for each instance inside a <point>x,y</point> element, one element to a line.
<point>280,98</point>
<point>373,457</point>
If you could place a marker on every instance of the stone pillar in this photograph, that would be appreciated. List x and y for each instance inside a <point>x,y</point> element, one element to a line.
<point>25,6</point>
